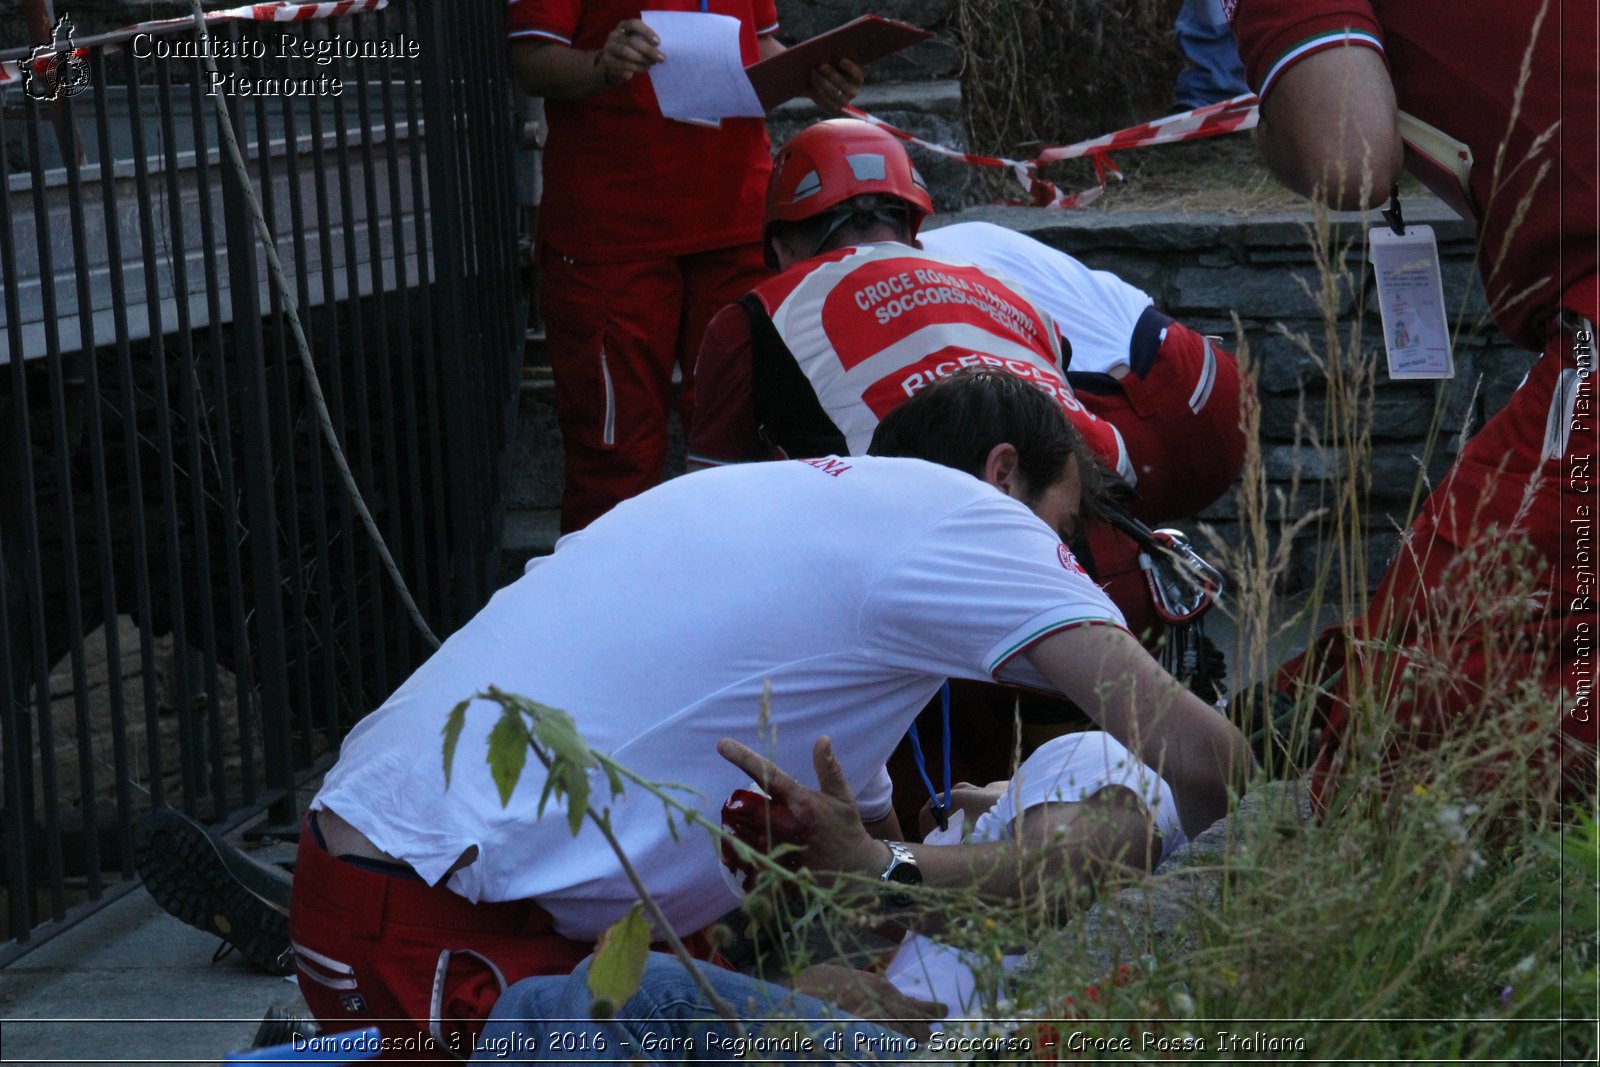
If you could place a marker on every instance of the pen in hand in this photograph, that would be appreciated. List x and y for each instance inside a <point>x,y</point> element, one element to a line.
<point>629,48</point>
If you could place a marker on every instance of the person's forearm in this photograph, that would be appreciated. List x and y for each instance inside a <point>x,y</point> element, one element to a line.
<point>1198,752</point>
<point>556,71</point>
<point>1061,852</point>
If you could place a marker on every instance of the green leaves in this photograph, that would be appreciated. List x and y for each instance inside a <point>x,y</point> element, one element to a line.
<point>452,734</point>
<point>508,754</point>
<point>552,735</point>
<point>619,960</point>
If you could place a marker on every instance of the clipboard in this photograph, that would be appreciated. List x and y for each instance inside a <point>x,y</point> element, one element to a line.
<point>863,40</point>
<point>1443,163</point>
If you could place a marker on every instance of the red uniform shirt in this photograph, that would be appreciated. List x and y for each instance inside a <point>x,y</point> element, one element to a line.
<point>1457,65</point>
<point>810,361</point>
<point>621,181</point>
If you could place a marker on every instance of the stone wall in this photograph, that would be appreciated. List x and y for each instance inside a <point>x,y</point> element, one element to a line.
<point>1201,268</point>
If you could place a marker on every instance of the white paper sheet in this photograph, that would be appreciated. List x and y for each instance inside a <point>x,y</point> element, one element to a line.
<point>702,79</point>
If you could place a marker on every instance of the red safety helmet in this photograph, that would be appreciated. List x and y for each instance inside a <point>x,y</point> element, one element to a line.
<point>824,165</point>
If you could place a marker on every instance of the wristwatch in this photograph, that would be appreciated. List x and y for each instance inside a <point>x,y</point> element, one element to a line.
<point>901,873</point>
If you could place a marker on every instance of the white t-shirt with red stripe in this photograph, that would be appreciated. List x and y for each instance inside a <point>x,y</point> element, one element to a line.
<point>851,587</point>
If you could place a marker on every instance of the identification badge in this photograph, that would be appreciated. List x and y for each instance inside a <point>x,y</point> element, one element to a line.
<point>1411,302</point>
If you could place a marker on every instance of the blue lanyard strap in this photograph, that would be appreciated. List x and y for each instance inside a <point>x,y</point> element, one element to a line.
<point>941,811</point>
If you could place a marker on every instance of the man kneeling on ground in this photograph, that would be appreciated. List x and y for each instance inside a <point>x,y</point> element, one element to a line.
<point>847,589</point>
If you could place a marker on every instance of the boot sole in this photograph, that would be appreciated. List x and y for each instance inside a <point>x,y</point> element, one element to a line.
<point>192,876</point>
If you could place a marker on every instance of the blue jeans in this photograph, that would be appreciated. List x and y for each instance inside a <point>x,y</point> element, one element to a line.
<point>669,1020</point>
<point>1207,42</point>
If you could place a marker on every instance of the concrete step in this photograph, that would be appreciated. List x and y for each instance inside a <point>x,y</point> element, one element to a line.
<point>535,353</point>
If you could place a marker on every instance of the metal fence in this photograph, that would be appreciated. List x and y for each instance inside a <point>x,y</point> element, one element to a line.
<point>190,611</point>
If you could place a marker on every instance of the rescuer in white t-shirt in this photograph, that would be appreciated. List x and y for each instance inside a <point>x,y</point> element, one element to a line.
<point>866,310</point>
<point>851,587</point>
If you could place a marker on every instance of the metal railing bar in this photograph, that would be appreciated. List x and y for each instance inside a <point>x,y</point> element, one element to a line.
<point>56,177</point>
<point>152,307</point>
<point>392,637</point>
<point>358,443</point>
<point>281,398</point>
<point>44,714</point>
<point>325,695</point>
<point>476,206</point>
<point>503,170</point>
<point>445,218</point>
<point>408,391</point>
<point>432,407</point>
<point>178,577</point>
<point>490,215</point>
<point>14,756</point>
<point>67,324</point>
<point>221,447</point>
<point>242,233</point>
<point>333,361</point>
<point>119,722</point>
<point>70,426</point>
<point>505,362</point>
<point>16,752</point>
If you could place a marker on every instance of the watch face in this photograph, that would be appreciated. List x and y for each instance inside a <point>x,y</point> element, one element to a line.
<point>905,874</point>
<point>903,871</point>
<point>897,898</point>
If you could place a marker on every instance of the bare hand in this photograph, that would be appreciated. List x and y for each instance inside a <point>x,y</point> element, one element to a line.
<point>870,996</point>
<point>630,49</point>
<point>834,87</point>
<point>831,836</point>
<point>971,800</point>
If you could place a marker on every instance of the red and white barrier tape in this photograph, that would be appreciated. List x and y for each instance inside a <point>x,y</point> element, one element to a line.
<point>11,70</point>
<point>1213,120</point>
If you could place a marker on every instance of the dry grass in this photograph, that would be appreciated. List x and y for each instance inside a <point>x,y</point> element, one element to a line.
<point>1223,175</point>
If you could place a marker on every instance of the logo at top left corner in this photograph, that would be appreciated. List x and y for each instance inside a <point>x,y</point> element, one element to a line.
<point>56,70</point>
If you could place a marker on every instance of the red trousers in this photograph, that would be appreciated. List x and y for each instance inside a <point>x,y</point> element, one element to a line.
<point>616,330</point>
<point>421,963</point>
<point>1493,589</point>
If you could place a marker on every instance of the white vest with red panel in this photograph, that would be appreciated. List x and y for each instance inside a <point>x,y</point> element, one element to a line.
<point>868,327</point>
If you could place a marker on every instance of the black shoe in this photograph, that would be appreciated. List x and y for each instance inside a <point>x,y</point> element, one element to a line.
<point>280,1027</point>
<point>214,887</point>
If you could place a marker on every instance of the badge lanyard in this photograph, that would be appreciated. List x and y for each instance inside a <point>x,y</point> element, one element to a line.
<point>941,811</point>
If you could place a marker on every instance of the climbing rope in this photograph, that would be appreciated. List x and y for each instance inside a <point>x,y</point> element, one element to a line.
<point>291,310</point>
